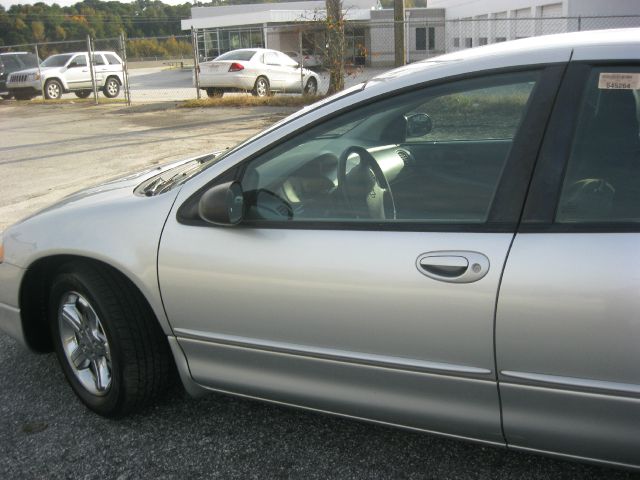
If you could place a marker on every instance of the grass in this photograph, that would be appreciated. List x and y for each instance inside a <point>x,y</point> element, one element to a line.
<point>251,101</point>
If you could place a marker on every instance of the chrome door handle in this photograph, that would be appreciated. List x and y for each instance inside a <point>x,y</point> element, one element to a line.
<point>453,266</point>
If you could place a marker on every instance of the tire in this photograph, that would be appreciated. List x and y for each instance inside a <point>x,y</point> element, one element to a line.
<point>83,93</point>
<point>214,92</point>
<point>261,87</point>
<point>311,88</point>
<point>111,87</point>
<point>53,89</point>
<point>110,347</point>
<point>6,97</point>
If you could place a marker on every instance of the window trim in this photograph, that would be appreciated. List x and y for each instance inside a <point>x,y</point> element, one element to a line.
<point>548,178</point>
<point>504,213</point>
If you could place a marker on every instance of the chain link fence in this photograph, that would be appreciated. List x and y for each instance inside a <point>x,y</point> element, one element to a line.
<point>170,68</point>
<point>87,70</point>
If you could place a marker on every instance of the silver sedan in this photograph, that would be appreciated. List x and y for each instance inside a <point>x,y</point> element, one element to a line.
<point>450,248</point>
<point>258,70</point>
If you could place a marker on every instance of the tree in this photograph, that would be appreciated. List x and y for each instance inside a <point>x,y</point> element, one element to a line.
<point>335,45</point>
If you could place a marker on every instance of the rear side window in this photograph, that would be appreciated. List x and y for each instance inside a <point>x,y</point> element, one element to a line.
<point>602,180</point>
<point>112,59</point>
<point>271,58</point>
<point>98,60</point>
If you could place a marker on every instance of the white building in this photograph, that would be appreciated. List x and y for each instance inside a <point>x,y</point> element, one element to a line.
<point>473,23</point>
<point>283,26</point>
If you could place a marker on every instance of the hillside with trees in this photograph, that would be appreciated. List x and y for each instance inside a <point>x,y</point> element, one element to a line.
<point>22,24</point>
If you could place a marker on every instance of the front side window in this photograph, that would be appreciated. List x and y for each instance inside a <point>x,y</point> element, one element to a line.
<point>79,61</point>
<point>431,155</point>
<point>602,180</point>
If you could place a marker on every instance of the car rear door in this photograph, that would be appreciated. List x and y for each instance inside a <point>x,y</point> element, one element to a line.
<point>568,317</point>
<point>274,70</point>
<point>390,319</point>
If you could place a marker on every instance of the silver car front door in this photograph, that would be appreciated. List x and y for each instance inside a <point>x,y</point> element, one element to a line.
<point>363,278</point>
<point>568,321</point>
<point>78,74</point>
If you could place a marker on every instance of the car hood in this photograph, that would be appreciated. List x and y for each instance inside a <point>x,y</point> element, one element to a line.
<point>92,221</point>
<point>42,70</point>
<point>114,190</point>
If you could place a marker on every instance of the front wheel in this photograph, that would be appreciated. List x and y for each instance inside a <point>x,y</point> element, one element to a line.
<point>111,349</point>
<point>261,87</point>
<point>52,90</point>
<point>6,97</point>
<point>111,88</point>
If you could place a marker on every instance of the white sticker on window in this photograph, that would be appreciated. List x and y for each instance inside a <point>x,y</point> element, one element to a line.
<point>619,81</point>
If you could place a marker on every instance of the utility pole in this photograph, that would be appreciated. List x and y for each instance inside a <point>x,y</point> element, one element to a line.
<point>398,32</point>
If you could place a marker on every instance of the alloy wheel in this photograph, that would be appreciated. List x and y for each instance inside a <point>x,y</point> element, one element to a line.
<point>85,343</point>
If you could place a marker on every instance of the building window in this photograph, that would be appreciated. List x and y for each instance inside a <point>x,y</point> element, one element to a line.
<point>501,39</point>
<point>432,38</point>
<point>483,41</point>
<point>421,38</point>
<point>456,42</point>
<point>468,42</point>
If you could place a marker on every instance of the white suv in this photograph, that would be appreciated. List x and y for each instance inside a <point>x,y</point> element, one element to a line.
<point>68,72</point>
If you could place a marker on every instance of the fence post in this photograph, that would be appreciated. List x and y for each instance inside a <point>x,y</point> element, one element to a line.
<point>125,69</point>
<point>39,72</point>
<point>398,32</point>
<point>196,61</point>
<point>301,61</point>
<point>93,74</point>
<point>579,23</point>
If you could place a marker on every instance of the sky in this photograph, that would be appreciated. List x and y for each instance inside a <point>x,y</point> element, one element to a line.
<point>64,3</point>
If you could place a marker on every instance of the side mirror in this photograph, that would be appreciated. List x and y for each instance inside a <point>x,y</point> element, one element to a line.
<point>222,204</point>
<point>418,124</point>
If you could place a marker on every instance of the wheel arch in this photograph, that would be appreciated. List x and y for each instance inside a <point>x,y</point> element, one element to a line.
<point>113,75</point>
<point>65,87</point>
<point>34,296</point>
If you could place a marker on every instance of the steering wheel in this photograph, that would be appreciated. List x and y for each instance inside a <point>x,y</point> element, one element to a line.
<point>590,198</point>
<point>366,191</point>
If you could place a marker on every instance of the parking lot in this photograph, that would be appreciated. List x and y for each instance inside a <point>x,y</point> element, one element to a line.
<point>49,151</point>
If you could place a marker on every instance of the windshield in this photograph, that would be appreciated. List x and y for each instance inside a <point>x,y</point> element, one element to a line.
<point>57,60</point>
<point>237,55</point>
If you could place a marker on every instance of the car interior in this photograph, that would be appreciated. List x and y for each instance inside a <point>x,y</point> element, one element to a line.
<point>400,160</point>
<point>602,183</point>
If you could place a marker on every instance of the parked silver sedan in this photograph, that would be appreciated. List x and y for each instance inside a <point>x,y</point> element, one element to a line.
<point>452,247</point>
<point>258,70</point>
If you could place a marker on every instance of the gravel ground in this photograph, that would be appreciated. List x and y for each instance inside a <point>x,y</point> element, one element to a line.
<point>48,151</point>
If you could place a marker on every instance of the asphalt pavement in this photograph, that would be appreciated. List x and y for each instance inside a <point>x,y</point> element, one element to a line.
<point>46,433</point>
